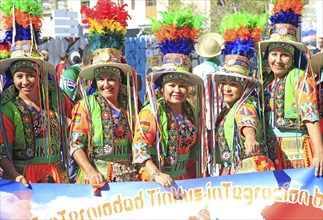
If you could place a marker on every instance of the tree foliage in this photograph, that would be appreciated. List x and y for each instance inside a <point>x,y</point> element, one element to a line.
<point>220,8</point>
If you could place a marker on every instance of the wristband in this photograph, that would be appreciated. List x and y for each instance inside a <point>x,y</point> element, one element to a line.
<point>154,174</point>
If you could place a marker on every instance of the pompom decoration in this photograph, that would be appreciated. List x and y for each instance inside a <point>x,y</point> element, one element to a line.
<point>107,24</point>
<point>241,31</point>
<point>177,31</point>
<point>5,48</point>
<point>26,12</point>
<point>287,12</point>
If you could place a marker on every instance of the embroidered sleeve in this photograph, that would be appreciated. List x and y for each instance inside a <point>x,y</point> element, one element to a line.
<point>308,99</point>
<point>144,137</point>
<point>79,129</point>
<point>10,130</point>
<point>246,116</point>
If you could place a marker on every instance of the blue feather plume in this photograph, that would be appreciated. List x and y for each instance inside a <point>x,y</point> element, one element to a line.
<point>184,46</point>
<point>22,34</point>
<point>240,47</point>
<point>288,17</point>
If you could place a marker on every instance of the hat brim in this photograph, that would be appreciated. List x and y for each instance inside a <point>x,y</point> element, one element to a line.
<point>44,65</point>
<point>263,45</point>
<point>317,62</point>
<point>88,73</point>
<point>157,72</point>
<point>218,75</point>
<point>201,41</point>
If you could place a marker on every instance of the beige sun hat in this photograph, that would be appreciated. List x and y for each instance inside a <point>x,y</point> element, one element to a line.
<point>209,45</point>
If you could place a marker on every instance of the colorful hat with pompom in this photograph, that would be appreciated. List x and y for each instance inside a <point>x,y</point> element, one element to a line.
<point>285,19</point>
<point>5,50</point>
<point>241,32</point>
<point>176,34</point>
<point>22,24</point>
<point>107,28</point>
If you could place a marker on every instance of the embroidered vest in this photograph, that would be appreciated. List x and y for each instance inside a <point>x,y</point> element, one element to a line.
<point>228,136</point>
<point>178,168</point>
<point>17,112</point>
<point>287,114</point>
<point>103,146</point>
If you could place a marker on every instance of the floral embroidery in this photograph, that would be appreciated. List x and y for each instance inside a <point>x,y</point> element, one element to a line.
<point>179,128</point>
<point>33,128</point>
<point>115,127</point>
<point>247,122</point>
<point>278,96</point>
<point>309,112</point>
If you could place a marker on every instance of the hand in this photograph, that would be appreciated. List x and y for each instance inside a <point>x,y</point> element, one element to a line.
<point>318,163</point>
<point>252,146</point>
<point>93,177</point>
<point>164,180</point>
<point>22,179</point>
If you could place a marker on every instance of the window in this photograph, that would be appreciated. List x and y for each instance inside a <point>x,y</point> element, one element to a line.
<point>150,2</point>
<point>85,3</point>
<point>46,5</point>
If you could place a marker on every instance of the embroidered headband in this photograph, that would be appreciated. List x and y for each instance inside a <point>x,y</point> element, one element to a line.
<point>288,47</point>
<point>174,76</point>
<point>240,80</point>
<point>108,69</point>
<point>23,63</point>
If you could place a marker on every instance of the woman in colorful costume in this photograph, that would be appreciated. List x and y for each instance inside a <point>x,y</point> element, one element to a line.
<point>291,111</point>
<point>102,124</point>
<point>317,68</point>
<point>33,124</point>
<point>167,132</point>
<point>239,133</point>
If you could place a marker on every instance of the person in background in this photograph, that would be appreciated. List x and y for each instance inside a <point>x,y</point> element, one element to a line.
<point>209,46</point>
<point>319,48</point>
<point>68,80</point>
<point>168,118</point>
<point>45,54</point>
<point>71,85</point>
<point>32,142</point>
<point>61,67</point>
<point>291,108</point>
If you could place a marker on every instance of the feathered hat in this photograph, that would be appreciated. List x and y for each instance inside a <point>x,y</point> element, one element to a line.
<point>22,24</point>
<point>176,35</point>
<point>241,32</point>
<point>107,28</point>
<point>285,19</point>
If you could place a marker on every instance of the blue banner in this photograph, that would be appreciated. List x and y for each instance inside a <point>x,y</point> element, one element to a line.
<point>285,194</point>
